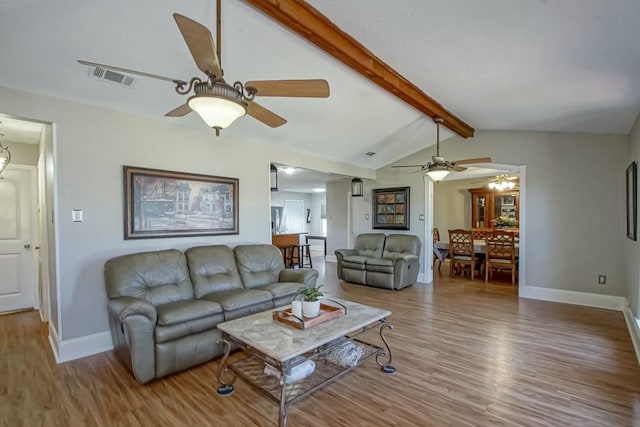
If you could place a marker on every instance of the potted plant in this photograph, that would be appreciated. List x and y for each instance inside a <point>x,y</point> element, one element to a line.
<point>310,300</point>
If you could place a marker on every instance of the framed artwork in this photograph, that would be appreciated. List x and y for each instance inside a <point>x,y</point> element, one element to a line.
<point>159,203</point>
<point>509,200</point>
<point>391,208</point>
<point>632,202</point>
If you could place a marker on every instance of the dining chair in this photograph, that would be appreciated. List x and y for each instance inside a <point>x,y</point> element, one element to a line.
<point>461,251</point>
<point>436,239</point>
<point>500,252</point>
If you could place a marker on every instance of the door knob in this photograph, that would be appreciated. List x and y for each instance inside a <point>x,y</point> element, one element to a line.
<point>27,246</point>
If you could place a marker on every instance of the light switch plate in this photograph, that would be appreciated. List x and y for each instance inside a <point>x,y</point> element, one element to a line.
<point>421,217</point>
<point>366,216</point>
<point>77,215</point>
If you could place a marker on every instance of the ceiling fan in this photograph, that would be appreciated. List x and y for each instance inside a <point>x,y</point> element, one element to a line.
<point>216,101</point>
<point>439,168</point>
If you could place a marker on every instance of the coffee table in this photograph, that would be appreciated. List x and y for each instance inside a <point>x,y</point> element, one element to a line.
<point>268,341</point>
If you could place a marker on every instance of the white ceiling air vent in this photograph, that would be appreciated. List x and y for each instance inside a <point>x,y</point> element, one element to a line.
<point>110,76</point>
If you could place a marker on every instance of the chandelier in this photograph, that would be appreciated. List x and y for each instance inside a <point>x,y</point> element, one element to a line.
<point>503,182</point>
<point>5,156</point>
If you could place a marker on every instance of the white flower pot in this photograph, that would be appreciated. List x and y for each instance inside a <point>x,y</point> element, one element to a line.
<point>310,308</point>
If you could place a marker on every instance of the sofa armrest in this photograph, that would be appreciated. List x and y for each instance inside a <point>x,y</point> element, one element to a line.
<point>341,253</point>
<point>403,257</point>
<point>123,307</point>
<point>345,252</point>
<point>307,276</point>
<point>133,323</point>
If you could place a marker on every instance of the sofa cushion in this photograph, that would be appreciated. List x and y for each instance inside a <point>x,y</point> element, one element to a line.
<point>355,262</point>
<point>182,311</point>
<point>239,298</point>
<point>397,245</point>
<point>179,330</point>
<point>380,265</point>
<point>212,269</point>
<point>370,244</point>
<point>159,277</point>
<point>258,265</point>
<point>282,289</point>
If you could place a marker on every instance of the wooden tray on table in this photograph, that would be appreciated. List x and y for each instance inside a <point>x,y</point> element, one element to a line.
<point>327,312</point>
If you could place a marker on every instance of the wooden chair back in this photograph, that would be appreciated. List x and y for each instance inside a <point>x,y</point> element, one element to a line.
<point>500,251</point>
<point>436,235</point>
<point>461,251</point>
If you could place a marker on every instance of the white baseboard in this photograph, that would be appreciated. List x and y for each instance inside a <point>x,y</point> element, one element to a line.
<point>53,340</point>
<point>330,258</point>
<point>76,348</point>
<point>634,330</point>
<point>609,302</point>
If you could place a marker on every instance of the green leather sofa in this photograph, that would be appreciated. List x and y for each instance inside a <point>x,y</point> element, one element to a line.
<point>390,262</point>
<point>164,305</point>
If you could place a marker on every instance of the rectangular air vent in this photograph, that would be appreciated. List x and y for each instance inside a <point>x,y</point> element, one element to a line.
<point>111,76</point>
<point>369,153</point>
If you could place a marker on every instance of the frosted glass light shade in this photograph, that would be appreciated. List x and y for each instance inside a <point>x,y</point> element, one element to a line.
<point>438,173</point>
<point>216,112</point>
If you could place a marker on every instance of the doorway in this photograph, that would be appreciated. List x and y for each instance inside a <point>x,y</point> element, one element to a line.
<point>461,215</point>
<point>27,237</point>
<point>18,234</point>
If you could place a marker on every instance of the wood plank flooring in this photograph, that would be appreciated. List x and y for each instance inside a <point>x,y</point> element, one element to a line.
<point>466,356</point>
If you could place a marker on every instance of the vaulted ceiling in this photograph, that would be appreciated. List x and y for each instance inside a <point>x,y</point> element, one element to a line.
<point>569,66</point>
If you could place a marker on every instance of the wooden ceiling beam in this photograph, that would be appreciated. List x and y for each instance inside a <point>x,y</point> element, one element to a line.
<point>303,19</point>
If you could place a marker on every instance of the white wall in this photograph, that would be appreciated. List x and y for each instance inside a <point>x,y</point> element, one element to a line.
<point>337,216</point>
<point>317,200</point>
<point>452,205</point>
<point>92,145</point>
<point>575,202</point>
<point>22,154</point>
<point>279,197</point>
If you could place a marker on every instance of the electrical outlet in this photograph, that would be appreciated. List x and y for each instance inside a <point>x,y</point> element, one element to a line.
<point>602,279</point>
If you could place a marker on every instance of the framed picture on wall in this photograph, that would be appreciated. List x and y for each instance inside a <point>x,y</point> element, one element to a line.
<point>159,203</point>
<point>632,202</point>
<point>391,208</point>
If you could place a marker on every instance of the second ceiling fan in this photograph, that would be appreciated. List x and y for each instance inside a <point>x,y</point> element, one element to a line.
<point>439,168</point>
<point>216,101</point>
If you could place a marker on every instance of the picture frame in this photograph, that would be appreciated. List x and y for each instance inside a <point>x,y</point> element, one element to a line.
<point>391,208</point>
<point>161,203</point>
<point>632,202</point>
<point>508,200</point>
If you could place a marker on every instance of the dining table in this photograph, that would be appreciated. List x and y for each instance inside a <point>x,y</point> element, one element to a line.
<point>441,249</point>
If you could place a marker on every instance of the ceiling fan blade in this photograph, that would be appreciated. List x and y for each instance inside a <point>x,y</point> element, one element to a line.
<point>457,168</point>
<point>470,161</point>
<point>127,71</point>
<point>267,117</point>
<point>410,166</point>
<point>180,111</point>
<point>295,88</point>
<point>200,43</point>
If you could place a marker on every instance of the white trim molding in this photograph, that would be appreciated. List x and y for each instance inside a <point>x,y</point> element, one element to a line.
<point>610,302</point>
<point>76,348</point>
<point>634,329</point>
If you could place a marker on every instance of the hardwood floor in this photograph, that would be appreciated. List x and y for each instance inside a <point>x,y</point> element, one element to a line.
<point>466,356</point>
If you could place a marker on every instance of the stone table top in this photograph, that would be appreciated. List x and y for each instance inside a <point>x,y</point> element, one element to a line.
<point>282,342</point>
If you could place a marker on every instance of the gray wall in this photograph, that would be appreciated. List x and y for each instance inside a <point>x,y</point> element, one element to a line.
<point>632,249</point>
<point>92,144</point>
<point>574,207</point>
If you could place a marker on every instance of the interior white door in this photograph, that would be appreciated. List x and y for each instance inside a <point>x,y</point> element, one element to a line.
<point>18,263</point>
<point>294,216</point>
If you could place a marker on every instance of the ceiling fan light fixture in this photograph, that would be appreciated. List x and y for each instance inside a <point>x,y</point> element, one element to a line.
<point>438,173</point>
<point>216,112</point>
<point>5,156</point>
